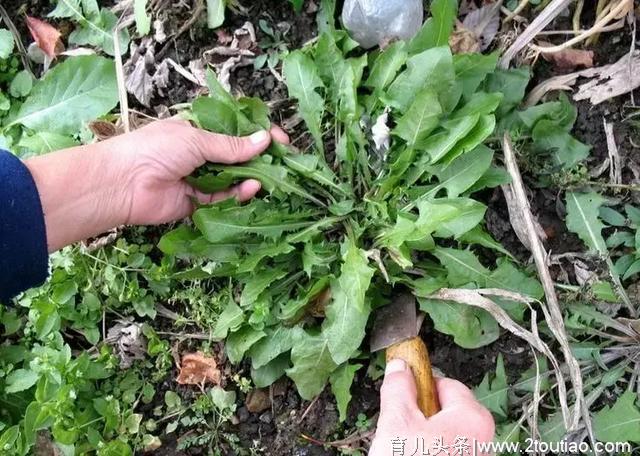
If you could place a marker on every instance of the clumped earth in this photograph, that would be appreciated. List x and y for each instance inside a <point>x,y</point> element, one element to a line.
<point>291,426</point>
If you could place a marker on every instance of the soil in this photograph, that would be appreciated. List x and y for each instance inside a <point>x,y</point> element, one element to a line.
<point>281,428</point>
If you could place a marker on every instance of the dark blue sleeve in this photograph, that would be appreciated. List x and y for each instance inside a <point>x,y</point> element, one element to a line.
<point>23,238</point>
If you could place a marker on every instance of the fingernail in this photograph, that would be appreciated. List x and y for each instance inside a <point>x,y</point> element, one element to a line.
<point>395,365</point>
<point>259,137</point>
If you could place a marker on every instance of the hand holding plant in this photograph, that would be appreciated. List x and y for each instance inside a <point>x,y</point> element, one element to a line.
<point>136,178</point>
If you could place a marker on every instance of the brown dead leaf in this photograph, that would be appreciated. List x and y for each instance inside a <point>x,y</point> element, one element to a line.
<point>197,369</point>
<point>463,41</point>
<point>46,36</point>
<point>569,59</point>
<point>319,303</point>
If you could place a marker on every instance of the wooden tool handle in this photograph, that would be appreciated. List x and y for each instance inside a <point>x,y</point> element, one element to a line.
<point>414,353</point>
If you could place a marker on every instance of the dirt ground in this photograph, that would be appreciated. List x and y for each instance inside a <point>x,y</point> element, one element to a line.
<point>281,430</point>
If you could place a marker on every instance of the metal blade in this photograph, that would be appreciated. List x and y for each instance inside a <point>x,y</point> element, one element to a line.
<point>395,322</point>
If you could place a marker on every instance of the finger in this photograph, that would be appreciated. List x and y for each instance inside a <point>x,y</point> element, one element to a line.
<point>453,393</point>
<point>242,192</point>
<point>218,148</point>
<point>278,134</point>
<point>398,395</point>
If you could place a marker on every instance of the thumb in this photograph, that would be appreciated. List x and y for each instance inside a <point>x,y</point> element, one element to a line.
<point>224,149</point>
<point>398,395</point>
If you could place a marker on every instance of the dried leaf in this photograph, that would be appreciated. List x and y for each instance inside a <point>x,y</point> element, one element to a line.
<point>484,24</point>
<point>46,36</point>
<point>197,369</point>
<point>569,59</point>
<point>130,344</point>
<point>381,133</point>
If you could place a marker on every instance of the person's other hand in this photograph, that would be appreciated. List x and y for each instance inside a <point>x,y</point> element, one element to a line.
<point>462,420</point>
<point>137,178</point>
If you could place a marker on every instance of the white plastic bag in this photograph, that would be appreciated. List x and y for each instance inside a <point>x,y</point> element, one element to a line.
<point>373,22</point>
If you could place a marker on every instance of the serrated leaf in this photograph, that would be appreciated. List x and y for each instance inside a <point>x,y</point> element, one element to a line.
<point>278,341</point>
<point>303,81</point>
<point>620,422</point>
<point>492,392</point>
<point>470,327</point>
<point>441,143</point>
<point>387,65</point>
<point>221,224</point>
<point>6,43</point>
<point>582,219</point>
<point>312,364</point>
<point>472,69</point>
<point>230,319</point>
<point>478,134</point>
<point>431,69</point>
<point>449,217</point>
<point>240,341</point>
<point>341,381</point>
<point>348,312</point>
<point>420,120</point>
<point>437,29</point>
<point>74,92</point>
<point>463,172</point>
<point>259,282</point>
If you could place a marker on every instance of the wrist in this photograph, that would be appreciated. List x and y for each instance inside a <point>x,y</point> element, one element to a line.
<point>79,194</point>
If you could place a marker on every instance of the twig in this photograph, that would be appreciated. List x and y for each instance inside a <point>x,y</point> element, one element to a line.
<point>622,7</point>
<point>197,11</point>
<point>543,19</point>
<point>522,5</point>
<point>306,412</point>
<point>554,318</point>
<point>615,169</point>
<point>576,17</point>
<point>185,336</point>
<point>24,56</point>
<point>122,88</point>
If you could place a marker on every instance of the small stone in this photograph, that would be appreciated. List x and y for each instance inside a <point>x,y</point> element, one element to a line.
<point>243,414</point>
<point>258,401</point>
<point>266,418</point>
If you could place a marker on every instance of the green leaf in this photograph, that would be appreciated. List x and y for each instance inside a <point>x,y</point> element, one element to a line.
<point>387,65</point>
<point>75,92</point>
<point>420,119</point>
<point>470,327</point>
<point>221,224</point>
<point>20,380</point>
<point>278,341</point>
<point>21,84</point>
<point>431,69</point>
<point>303,81</point>
<point>512,84</point>
<point>43,142</point>
<point>463,172</point>
<point>582,219</point>
<point>441,143</point>
<point>215,13</point>
<point>143,19</point>
<point>348,312</point>
<point>312,364</point>
<point>258,283</point>
<point>6,43</point>
<point>240,341</point>
<point>341,381</point>
<point>472,69</point>
<point>269,373</point>
<point>274,178</point>
<point>449,217</point>
<point>493,392</point>
<point>620,422</point>
<point>437,29</point>
<point>567,150</point>
<point>480,132</point>
<point>215,115</point>
<point>230,319</point>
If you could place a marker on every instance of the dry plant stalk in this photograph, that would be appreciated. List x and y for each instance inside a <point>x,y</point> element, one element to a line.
<point>617,12</point>
<point>553,314</point>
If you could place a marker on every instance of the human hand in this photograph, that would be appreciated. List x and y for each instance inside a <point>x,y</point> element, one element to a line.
<point>462,416</point>
<point>136,178</point>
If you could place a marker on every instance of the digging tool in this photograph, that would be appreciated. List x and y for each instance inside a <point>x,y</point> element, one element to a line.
<point>395,329</point>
